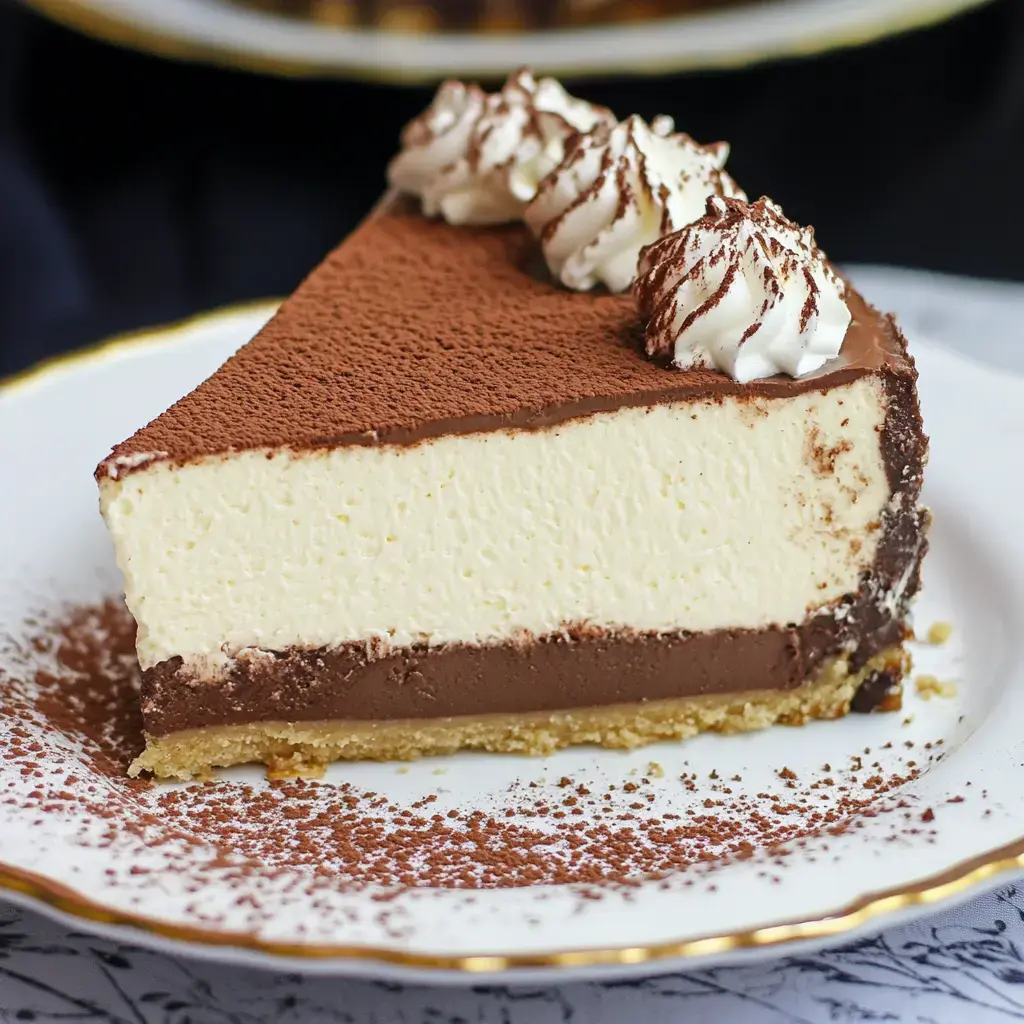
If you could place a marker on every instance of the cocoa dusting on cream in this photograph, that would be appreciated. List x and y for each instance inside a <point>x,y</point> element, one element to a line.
<point>364,353</point>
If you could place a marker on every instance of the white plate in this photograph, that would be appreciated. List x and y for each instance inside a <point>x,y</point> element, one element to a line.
<point>56,424</point>
<point>221,32</point>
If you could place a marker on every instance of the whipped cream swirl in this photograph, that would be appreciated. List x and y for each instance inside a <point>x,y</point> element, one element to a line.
<point>619,188</point>
<point>743,290</point>
<point>477,158</point>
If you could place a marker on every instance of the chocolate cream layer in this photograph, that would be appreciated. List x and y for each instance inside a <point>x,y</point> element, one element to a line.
<point>577,669</point>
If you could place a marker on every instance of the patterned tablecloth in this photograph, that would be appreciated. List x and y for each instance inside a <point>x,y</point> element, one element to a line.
<point>965,964</point>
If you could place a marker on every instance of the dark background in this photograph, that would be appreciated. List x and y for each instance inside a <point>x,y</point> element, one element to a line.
<point>134,191</point>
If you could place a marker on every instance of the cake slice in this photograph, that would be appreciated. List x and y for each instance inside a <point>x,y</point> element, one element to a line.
<point>441,501</point>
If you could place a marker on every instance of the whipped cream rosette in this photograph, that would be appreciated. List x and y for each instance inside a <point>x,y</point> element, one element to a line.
<point>743,290</point>
<point>619,188</point>
<point>477,158</point>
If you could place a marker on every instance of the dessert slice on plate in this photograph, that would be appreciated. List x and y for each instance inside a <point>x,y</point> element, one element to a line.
<point>475,487</point>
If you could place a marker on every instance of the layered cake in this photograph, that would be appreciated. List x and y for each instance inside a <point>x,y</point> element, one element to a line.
<point>479,484</point>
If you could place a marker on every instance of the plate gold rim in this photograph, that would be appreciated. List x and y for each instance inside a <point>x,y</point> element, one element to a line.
<point>957,880</point>
<point>107,28</point>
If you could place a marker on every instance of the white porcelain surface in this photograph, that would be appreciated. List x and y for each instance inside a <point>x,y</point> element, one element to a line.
<point>54,548</point>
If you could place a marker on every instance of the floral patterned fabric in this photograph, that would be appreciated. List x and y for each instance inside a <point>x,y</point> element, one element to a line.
<point>965,964</point>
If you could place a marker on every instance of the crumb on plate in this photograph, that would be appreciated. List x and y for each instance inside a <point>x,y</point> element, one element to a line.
<point>939,633</point>
<point>930,686</point>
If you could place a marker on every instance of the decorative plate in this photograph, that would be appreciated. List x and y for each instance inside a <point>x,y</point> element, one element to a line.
<point>238,36</point>
<point>588,860</point>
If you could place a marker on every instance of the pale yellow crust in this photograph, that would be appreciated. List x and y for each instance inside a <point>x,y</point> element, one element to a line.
<point>304,747</point>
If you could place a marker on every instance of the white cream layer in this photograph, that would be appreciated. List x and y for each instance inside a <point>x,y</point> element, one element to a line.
<point>697,516</point>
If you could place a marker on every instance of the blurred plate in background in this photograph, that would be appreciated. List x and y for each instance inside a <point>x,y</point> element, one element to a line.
<point>247,36</point>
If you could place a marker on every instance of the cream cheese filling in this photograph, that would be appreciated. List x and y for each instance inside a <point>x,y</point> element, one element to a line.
<point>697,515</point>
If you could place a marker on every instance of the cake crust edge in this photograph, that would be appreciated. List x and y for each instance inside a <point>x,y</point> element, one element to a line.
<point>306,747</point>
